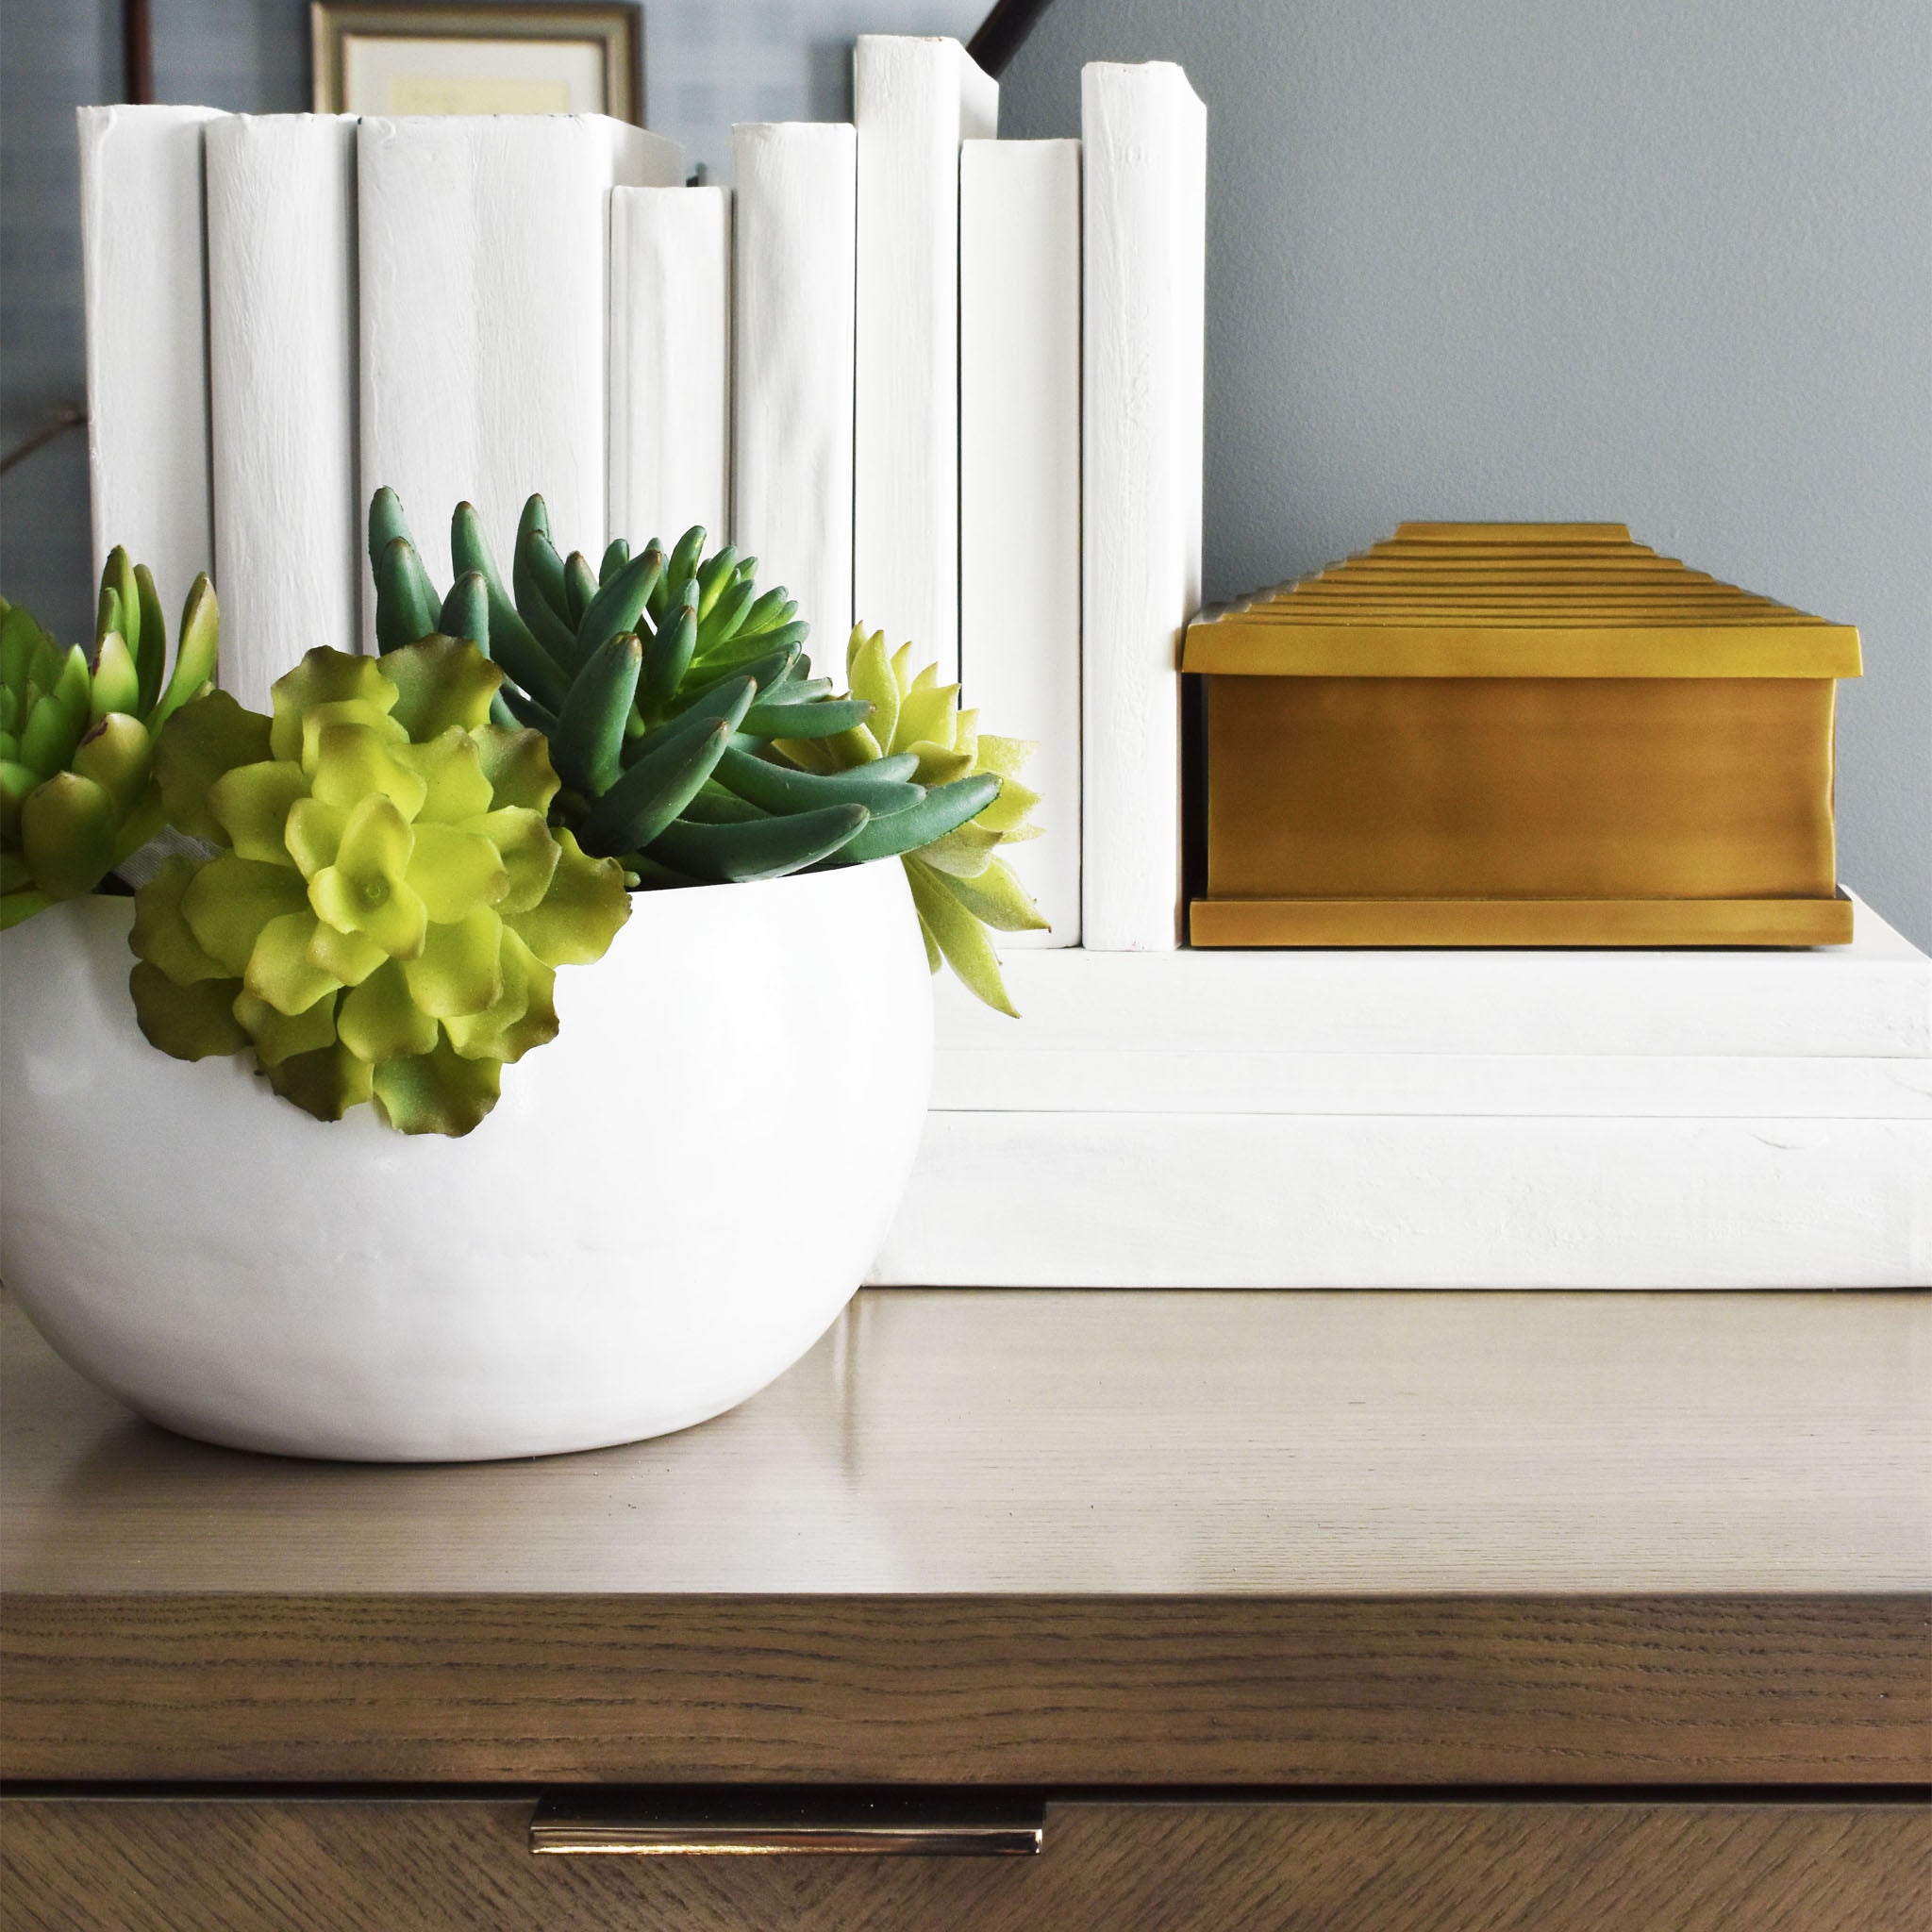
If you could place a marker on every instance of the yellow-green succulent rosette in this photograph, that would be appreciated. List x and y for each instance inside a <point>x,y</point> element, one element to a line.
<point>389,905</point>
<point>961,885</point>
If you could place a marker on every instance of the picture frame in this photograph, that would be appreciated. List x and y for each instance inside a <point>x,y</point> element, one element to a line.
<point>477,57</point>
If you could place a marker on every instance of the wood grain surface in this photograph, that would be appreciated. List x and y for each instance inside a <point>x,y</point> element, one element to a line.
<point>1071,1539</point>
<point>436,1866</point>
<point>1089,1442</point>
<point>1052,1691</point>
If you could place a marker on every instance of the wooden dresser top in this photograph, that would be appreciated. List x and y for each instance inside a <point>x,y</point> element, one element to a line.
<point>1113,1443</point>
<point>1158,1523</point>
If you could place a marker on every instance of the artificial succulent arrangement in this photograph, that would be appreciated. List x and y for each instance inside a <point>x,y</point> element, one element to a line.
<point>372,888</point>
<point>693,743</point>
<point>77,793</point>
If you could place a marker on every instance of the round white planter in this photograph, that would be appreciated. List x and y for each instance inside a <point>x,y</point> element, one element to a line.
<point>670,1203</point>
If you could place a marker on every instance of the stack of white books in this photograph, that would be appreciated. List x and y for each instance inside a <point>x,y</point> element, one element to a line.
<point>1538,1119</point>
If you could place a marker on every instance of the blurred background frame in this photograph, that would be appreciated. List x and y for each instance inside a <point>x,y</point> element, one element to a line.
<point>477,57</point>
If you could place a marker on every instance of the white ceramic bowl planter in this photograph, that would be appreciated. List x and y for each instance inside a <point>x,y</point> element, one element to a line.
<point>672,1201</point>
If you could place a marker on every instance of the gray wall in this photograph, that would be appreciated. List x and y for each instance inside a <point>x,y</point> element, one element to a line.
<point>1662,261</point>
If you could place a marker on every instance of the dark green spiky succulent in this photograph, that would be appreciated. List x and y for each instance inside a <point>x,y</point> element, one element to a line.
<point>389,905</point>
<point>676,697</point>
<point>77,737</point>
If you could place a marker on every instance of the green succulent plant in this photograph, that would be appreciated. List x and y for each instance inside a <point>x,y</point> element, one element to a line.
<point>390,902</point>
<point>959,885</point>
<point>77,797</point>
<point>677,702</point>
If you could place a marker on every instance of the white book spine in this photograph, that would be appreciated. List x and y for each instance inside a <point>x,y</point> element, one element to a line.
<point>485,295</point>
<point>669,362</point>
<point>1020,489</point>
<point>792,416</point>
<point>143,255</point>
<point>1236,1200</point>
<point>1145,242</point>
<point>281,243</point>
<point>915,102</point>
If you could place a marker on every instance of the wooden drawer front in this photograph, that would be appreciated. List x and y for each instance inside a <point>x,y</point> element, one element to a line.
<point>339,1864</point>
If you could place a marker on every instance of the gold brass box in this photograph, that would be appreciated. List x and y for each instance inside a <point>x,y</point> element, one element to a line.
<point>1519,735</point>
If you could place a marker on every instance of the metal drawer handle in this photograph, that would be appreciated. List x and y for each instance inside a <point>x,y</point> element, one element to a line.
<point>647,1825</point>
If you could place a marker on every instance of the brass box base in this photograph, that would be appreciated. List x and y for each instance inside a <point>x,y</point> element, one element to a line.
<point>1520,922</point>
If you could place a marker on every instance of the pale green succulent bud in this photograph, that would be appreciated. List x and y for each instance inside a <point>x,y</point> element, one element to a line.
<point>77,797</point>
<point>389,905</point>
<point>959,885</point>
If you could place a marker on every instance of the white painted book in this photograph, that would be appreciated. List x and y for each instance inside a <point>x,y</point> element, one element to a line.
<point>791,414</point>
<point>1410,1119</point>
<point>144,245</point>
<point>281,252</point>
<point>915,100</point>
<point>1020,489</point>
<point>1622,1197</point>
<point>485,287</point>
<point>669,363</point>
<point>1145,163</point>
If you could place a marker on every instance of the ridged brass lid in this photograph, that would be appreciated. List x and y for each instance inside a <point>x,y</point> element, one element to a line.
<point>1515,600</point>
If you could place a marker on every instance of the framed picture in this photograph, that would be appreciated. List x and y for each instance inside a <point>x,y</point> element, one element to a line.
<point>477,57</point>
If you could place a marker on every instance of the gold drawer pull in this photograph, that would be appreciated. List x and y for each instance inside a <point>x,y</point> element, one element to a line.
<point>946,1825</point>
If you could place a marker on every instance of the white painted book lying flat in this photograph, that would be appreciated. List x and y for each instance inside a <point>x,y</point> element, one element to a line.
<point>282,354</point>
<point>1145,163</point>
<point>1871,999</point>
<point>1560,1119</point>
<point>1253,1200</point>
<point>485,252</point>
<point>791,414</point>
<point>1020,489</point>
<point>143,243</point>
<point>669,363</point>
<point>914,100</point>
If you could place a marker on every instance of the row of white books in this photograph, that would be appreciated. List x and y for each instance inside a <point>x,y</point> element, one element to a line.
<point>945,384</point>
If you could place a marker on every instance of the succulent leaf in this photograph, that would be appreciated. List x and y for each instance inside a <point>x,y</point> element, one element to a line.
<point>116,680</point>
<point>151,639</point>
<point>280,971</point>
<point>202,741</point>
<point>466,610</point>
<point>379,1019</point>
<point>455,784</point>
<point>578,917</point>
<point>325,677</point>
<point>579,588</point>
<point>279,1036</point>
<point>407,605</point>
<point>511,642</point>
<point>445,684</point>
<point>193,1022</point>
<point>118,756</point>
<point>326,1083</point>
<point>229,901</point>
<point>251,804</point>
<point>437,1092</point>
<point>67,825</point>
<point>162,934</point>
<point>958,937</point>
